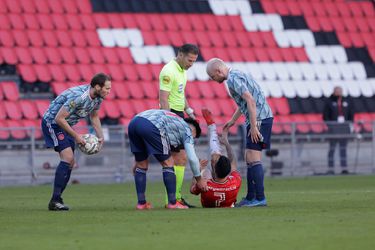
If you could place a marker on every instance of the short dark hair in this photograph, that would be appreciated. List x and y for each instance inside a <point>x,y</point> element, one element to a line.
<point>195,124</point>
<point>99,79</point>
<point>189,48</point>
<point>222,167</point>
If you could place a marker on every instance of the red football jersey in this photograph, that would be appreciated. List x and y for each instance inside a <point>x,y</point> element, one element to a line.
<point>220,194</point>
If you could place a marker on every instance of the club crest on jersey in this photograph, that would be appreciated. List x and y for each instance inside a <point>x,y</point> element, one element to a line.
<point>61,136</point>
<point>72,105</point>
<point>166,79</point>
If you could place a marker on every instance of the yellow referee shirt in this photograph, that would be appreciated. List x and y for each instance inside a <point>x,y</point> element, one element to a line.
<point>173,79</point>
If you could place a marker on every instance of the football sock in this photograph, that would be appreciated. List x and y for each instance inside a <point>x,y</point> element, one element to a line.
<point>258,177</point>
<point>67,178</point>
<point>250,184</point>
<point>180,172</point>
<point>59,183</point>
<point>140,184</point>
<point>214,140</point>
<point>169,179</point>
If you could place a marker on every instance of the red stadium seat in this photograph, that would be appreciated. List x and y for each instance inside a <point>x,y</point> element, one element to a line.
<point>144,72</point>
<point>17,21</point>
<point>34,38</point>
<point>152,104</point>
<point>21,39</point>
<point>318,9</point>
<point>6,38</point>
<point>281,105</point>
<point>216,38</point>
<point>261,54</point>
<point>74,22</point>
<point>192,90</point>
<point>101,20</point>
<point>13,110</point>
<point>70,6</point>
<point>227,107</point>
<point>149,38</point>
<point>175,37</point>
<point>9,55</point>
<point>3,114</point>
<point>162,39</point>
<point>203,39</point>
<point>1,94</point>
<point>235,55</point>
<point>210,22</point>
<point>369,39</point>
<point>344,39</point>
<point>268,7</point>
<point>126,108</point>
<point>4,134</point>
<point>139,106</point>
<point>111,109</point>
<point>242,39</point>
<point>13,6</point>
<point>5,22</point>
<point>325,23</point>
<point>229,39</point>
<point>38,55</point>
<point>96,55</point>
<point>223,23</point>
<point>87,22</point>
<point>197,22</point>
<point>42,6</point>
<point>277,128</point>
<point>248,54</point>
<point>317,124</point>
<point>59,21</point>
<point>331,9</point>
<point>24,55</point>
<point>10,90</point>
<point>53,55</point>
<point>313,23</point>
<point>223,53</point>
<point>72,72</point>
<point>28,109</point>
<point>42,72</point>
<point>86,72</point>
<point>236,23</point>
<point>143,22</point>
<point>211,104</point>
<point>27,6</point>
<point>219,90</point>
<point>121,90</point>
<point>337,24</point>
<point>64,38</point>
<point>124,55</point>
<point>300,54</point>
<point>169,21</point>
<point>355,9</point>
<point>205,89</point>
<point>293,8</point>
<point>357,39</point>
<point>100,68</point>
<point>35,124</point>
<point>343,9</point>
<point>155,71</point>
<point>115,21</point>
<point>268,39</point>
<point>285,122</point>
<point>67,55</point>
<point>92,38</point>
<point>57,72</point>
<point>58,87</point>
<point>82,55</point>
<point>42,106</point>
<point>129,20</point>
<point>281,8</point>
<point>49,38</point>
<point>45,22</point>
<point>17,132</point>
<point>183,26</point>
<point>78,38</point>
<point>156,22</point>
<point>135,90</point>
<point>350,24</point>
<point>301,123</point>
<point>189,36</point>
<point>151,90</point>
<point>27,72</point>
<point>275,54</point>
<point>255,39</point>
<point>368,8</point>
<point>116,72</point>
<point>110,55</point>
<point>362,24</point>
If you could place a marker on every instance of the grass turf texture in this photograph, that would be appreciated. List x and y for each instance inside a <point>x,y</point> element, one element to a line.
<point>303,213</point>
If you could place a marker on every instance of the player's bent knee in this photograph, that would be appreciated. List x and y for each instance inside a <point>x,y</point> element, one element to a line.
<point>168,162</point>
<point>180,158</point>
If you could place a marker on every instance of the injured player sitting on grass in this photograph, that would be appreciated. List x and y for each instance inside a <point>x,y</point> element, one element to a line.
<point>225,181</point>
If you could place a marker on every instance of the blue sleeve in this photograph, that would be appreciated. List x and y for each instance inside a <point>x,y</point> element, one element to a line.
<point>193,159</point>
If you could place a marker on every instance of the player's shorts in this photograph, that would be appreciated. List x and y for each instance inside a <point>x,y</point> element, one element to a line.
<point>180,147</point>
<point>145,139</point>
<point>265,128</point>
<point>55,137</point>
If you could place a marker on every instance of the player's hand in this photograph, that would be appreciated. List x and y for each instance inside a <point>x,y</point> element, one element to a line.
<point>254,134</point>
<point>224,137</point>
<point>203,163</point>
<point>201,183</point>
<point>227,126</point>
<point>79,139</point>
<point>101,142</point>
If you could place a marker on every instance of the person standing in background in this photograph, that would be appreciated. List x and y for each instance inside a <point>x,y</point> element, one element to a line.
<point>338,113</point>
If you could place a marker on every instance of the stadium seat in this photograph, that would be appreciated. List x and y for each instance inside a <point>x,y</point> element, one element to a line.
<point>58,87</point>
<point>28,109</point>
<point>126,108</point>
<point>57,72</point>
<point>27,72</point>
<point>86,72</point>
<point>13,110</point>
<point>23,55</point>
<point>144,72</point>
<point>71,72</point>
<point>42,7</point>
<point>116,72</point>
<point>139,55</point>
<point>3,113</point>
<point>281,105</point>
<point>20,37</point>
<point>17,21</point>
<point>27,6</point>
<point>49,38</point>
<point>32,124</point>
<point>294,71</point>
<point>111,109</point>
<point>17,132</point>
<point>139,106</point>
<point>42,72</point>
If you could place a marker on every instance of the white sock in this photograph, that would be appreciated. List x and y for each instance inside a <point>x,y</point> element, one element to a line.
<point>214,140</point>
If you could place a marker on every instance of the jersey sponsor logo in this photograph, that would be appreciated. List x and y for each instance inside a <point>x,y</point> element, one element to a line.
<point>166,80</point>
<point>72,105</point>
<point>60,136</point>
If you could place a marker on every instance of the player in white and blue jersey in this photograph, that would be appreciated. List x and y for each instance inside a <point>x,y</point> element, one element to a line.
<point>155,132</point>
<point>64,112</point>
<point>252,103</point>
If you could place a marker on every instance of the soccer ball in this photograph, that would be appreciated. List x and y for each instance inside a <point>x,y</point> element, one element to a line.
<point>91,146</point>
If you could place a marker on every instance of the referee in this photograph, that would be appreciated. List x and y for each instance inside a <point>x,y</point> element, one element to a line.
<point>173,80</point>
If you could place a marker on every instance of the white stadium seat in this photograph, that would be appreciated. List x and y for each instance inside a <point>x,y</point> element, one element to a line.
<point>339,54</point>
<point>366,88</point>
<point>288,89</point>
<point>262,22</point>
<point>314,89</point>
<point>120,37</point>
<point>294,38</point>
<point>268,71</point>
<point>217,7</point>
<point>294,71</point>
<point>152,54</point>
<point>281,39</point>
<point>135,37</point>
<point>139,55</point>
<point>313,54</point>
<point>264,88</point>
<point>333,71</point>
<point>106,37</point>
<point>240,66</point>
<point>281,71</point>
<point>321,71</point>
<point>191,74</point>
<point>243,7</point>
<point>255,70</point>
<point>200,71</point>
<point>275,22</point>
<point>327,88</point>
<point>346,71</point>
<point>307,38</point>
<point>249,23</point>
<point>353,88</point>
<point>274,88</point>
<point>166,52</point>
<point>326,54</point>
<point>372,83</point>
<point>307,71</point>
<point>359,70</point>
<point>230,7</point>
<point>301,89</point>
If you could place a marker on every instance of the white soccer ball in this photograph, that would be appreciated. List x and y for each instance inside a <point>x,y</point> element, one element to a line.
<point>91,146</point>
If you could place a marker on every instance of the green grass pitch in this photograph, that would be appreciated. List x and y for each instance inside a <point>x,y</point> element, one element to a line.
<point>303,213</point>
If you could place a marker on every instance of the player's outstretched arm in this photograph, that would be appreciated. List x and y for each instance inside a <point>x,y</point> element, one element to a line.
<point>232,121</point>
<point>228,147</point>
<point>194,166</point>
<point>61,121</point>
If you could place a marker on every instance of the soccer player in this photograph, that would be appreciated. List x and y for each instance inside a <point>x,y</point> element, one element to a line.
<point>64,112</point>
<point>155,132</point>
<point>252,104</point>
<point>225,181</point>
<point>173,79</point>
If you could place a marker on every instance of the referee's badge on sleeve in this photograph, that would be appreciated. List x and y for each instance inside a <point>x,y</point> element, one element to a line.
<point>166,79</point>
